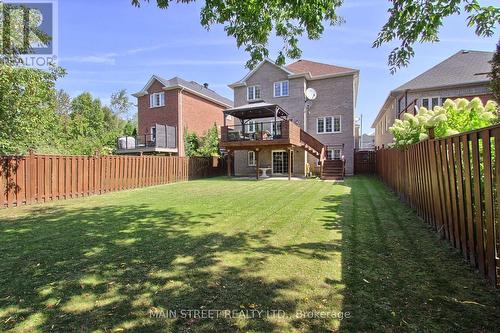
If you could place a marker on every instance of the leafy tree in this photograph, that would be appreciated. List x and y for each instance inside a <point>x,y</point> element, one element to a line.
<point>130,128</point>
<point>206,146</point>
<point>251,22</point>
<point>27,108</point>
<point>87,132</point>
<point>63,103</point>
<point>410,21</point>
<point>495,74</point>
<point>210,143</point>
<point>120,103</point>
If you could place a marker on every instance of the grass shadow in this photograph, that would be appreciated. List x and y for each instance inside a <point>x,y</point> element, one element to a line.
<point>399,276</point>
<point>123,267</point>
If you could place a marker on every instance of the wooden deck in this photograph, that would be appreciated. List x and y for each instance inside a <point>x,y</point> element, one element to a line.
<point>289,137</point>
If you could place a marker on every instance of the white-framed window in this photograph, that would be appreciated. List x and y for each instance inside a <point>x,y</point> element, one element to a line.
<point>333,153</point>
<point>330,124</point>
<point>251,158</point>
<point>253,93</point>
<point>430,102</point>
<point>157,100</point>
<point>280,88</point>
<point>250,126</point>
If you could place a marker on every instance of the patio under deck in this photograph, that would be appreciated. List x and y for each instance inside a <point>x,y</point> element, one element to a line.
<point>278,132</point>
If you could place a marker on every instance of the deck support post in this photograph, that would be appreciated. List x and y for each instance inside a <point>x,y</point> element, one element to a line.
<point>289,164</point>
<point>229,163</point>
<point>257,163</point>
<point>275,127</point>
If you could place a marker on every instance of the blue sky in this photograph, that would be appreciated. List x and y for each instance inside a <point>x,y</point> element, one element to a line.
<point>111,45</point>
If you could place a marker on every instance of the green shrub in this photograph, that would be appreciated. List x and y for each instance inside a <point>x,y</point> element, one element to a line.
<point>206,146</point>
<point>191,144</point>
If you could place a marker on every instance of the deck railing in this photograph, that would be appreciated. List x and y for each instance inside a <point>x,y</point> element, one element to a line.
<point>164,137</point>
<point>312,141</point>
<point>257,131</point>
<point>454,185</point>
<point>410,108</point>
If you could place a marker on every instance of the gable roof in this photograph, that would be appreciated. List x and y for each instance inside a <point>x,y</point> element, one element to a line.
<point>255,69</point>
<point>464,67</point>
<point>316,68</point>
<point>311,70</point>
<point>192,86</point>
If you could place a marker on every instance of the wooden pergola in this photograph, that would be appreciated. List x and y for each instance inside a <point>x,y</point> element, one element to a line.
<point>260,110</point>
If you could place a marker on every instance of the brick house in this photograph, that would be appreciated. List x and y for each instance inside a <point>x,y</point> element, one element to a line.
<point>304,128</point>
<point>463,75</point>
<point>169,108</point>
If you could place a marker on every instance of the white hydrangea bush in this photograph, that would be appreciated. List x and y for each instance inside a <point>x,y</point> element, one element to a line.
<point>455,116</point>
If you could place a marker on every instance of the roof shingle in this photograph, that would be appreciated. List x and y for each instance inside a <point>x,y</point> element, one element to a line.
<point>464,67</point>
<point>195,86</point>
<point>316,68</point>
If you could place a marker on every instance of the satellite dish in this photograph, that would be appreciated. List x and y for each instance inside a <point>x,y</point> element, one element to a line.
<point>311,94</point>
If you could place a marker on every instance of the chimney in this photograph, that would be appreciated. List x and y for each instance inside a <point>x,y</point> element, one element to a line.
<point>205,85</point>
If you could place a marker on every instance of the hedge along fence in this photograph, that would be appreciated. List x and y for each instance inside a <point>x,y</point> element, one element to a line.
<point>454,185</point>
<point>32,179</point>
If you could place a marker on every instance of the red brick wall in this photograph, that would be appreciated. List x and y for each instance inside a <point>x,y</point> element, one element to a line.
<point>165,115</point>
<point>198,114</point>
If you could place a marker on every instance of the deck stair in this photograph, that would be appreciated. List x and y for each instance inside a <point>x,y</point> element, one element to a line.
<point>330,169</point>
<point>312,145</point>
<point>333,170</point>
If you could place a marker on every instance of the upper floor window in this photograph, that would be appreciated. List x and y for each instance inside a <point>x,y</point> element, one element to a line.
<point>253,93</point>
<point>328,125</point>
<point>157,100</point>
<point>430,102</point>
<point>280,88</point>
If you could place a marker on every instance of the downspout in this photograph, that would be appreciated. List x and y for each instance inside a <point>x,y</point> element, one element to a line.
<point>305,125</point>
<point>180,122</point>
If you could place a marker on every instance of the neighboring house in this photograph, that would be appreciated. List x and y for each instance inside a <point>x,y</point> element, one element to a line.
<point>367,142</point>
<point>269,92</point>
<point>169,108</point>
<point>464,74</point>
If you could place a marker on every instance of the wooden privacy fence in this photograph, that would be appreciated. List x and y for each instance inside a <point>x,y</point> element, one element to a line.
<point>364,162</point>
<point>454,185</point>
<point>32,179</point>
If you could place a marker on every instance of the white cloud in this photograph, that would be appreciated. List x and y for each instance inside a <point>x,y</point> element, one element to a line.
<point>108,59</point>
<point>177,44</point>
<point>477,40</point>
<point>194,62</point>
<point>111,58</point>
<point>101,81</point>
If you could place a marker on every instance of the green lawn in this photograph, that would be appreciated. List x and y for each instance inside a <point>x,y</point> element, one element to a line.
<point>105,263</point>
